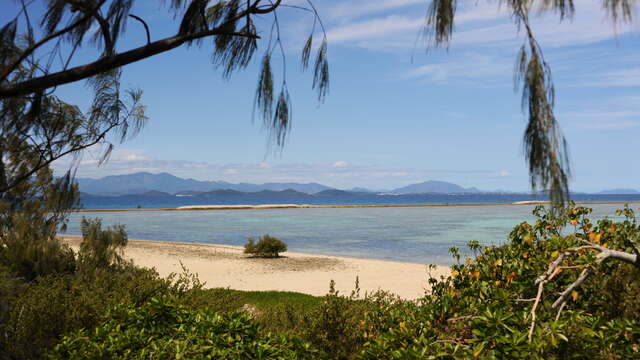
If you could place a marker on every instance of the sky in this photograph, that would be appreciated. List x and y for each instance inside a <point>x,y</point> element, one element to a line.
<point>395,114</point>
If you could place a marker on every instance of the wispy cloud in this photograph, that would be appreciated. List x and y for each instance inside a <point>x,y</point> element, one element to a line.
<point>603,120</point>
<point>395,30</point>
<point>473,67</point>
<point>629,77</point>
<point>352,9</point>
<point>363,30</point>
<point>476,25</point>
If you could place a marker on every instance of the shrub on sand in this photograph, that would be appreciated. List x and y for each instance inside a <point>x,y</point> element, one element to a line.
<point>267,246</point>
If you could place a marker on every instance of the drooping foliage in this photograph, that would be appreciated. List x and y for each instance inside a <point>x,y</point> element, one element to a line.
<point>35,58</point>
<point>545,147</point>
<point>37,127</point>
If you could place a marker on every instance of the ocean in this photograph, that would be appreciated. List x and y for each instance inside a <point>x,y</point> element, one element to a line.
<point>411,234</point>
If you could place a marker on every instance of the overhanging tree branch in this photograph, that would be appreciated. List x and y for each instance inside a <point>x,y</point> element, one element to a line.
<point>108,63</point>
<point>25,54</point>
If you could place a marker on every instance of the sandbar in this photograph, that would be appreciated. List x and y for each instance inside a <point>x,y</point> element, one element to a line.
<point>308,206</point>
<point>224,266</point>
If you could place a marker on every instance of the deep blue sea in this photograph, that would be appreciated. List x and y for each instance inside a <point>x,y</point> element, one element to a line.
<point>418,234</point>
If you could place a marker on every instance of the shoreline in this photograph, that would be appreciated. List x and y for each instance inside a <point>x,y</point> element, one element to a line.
<point>307,206</point>
<point>225,266</point>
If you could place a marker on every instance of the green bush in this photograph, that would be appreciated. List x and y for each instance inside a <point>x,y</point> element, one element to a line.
<point>164,329</point>
<point>31,214</point>
<point>342,324</point>
<point>484,310</point>
<point>267,246</point>
<point>47,308</point>
<point>101,248</point>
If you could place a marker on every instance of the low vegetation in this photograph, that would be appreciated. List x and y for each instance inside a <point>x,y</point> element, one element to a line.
<point>163,328</point>
<point>498,303</point>
<point>267,247</point>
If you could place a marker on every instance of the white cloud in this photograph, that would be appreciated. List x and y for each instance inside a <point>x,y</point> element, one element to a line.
<point>340,164</point>
<point>120,156</point>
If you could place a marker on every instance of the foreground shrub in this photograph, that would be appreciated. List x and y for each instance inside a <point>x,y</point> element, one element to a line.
<point>267,246</point>
<point>47,308</point>
<point>101,248</point>
<point>342,324</point>
<point>495,306</point>
<point>31,214</point>
<point>164,329</point>
<point>484,310</point>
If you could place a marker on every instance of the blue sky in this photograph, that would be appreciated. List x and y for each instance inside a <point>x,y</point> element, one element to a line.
<point>394,114</point>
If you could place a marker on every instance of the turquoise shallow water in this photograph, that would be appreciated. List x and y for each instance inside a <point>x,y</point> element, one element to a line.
<point>419,235</point>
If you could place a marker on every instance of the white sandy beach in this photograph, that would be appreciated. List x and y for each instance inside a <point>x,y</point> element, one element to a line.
<point>226,266</point>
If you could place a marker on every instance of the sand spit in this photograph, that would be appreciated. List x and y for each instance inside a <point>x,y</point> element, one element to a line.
<point>533,202</point>
<point>306,206</point>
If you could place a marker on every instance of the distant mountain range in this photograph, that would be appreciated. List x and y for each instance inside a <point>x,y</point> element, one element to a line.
<point>619,192</point>
<point>144,182</point>
<point>165,184</point>
<point>434,187</point>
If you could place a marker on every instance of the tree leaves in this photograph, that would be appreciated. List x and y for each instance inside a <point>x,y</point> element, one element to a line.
<point>565,8</point>
<point>321,71</point>
<point>306,52</point>
<point>277,122</point>
<point>281,118</point>
<point>228,23</point>
<point>194,18</point>
<point>544,145</point>
<point>8,48</point>
<point>439,21</point>
<point>234,53</point>
<point>263,100</point>
<point>619,9</point>
<point>53,15</point>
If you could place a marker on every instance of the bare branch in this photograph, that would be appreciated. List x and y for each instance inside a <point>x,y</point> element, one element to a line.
<point>555,268</point>
<point>146,27</point>
<point>584,275</point>
<point>534,307</point>
<point>449,342</point>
